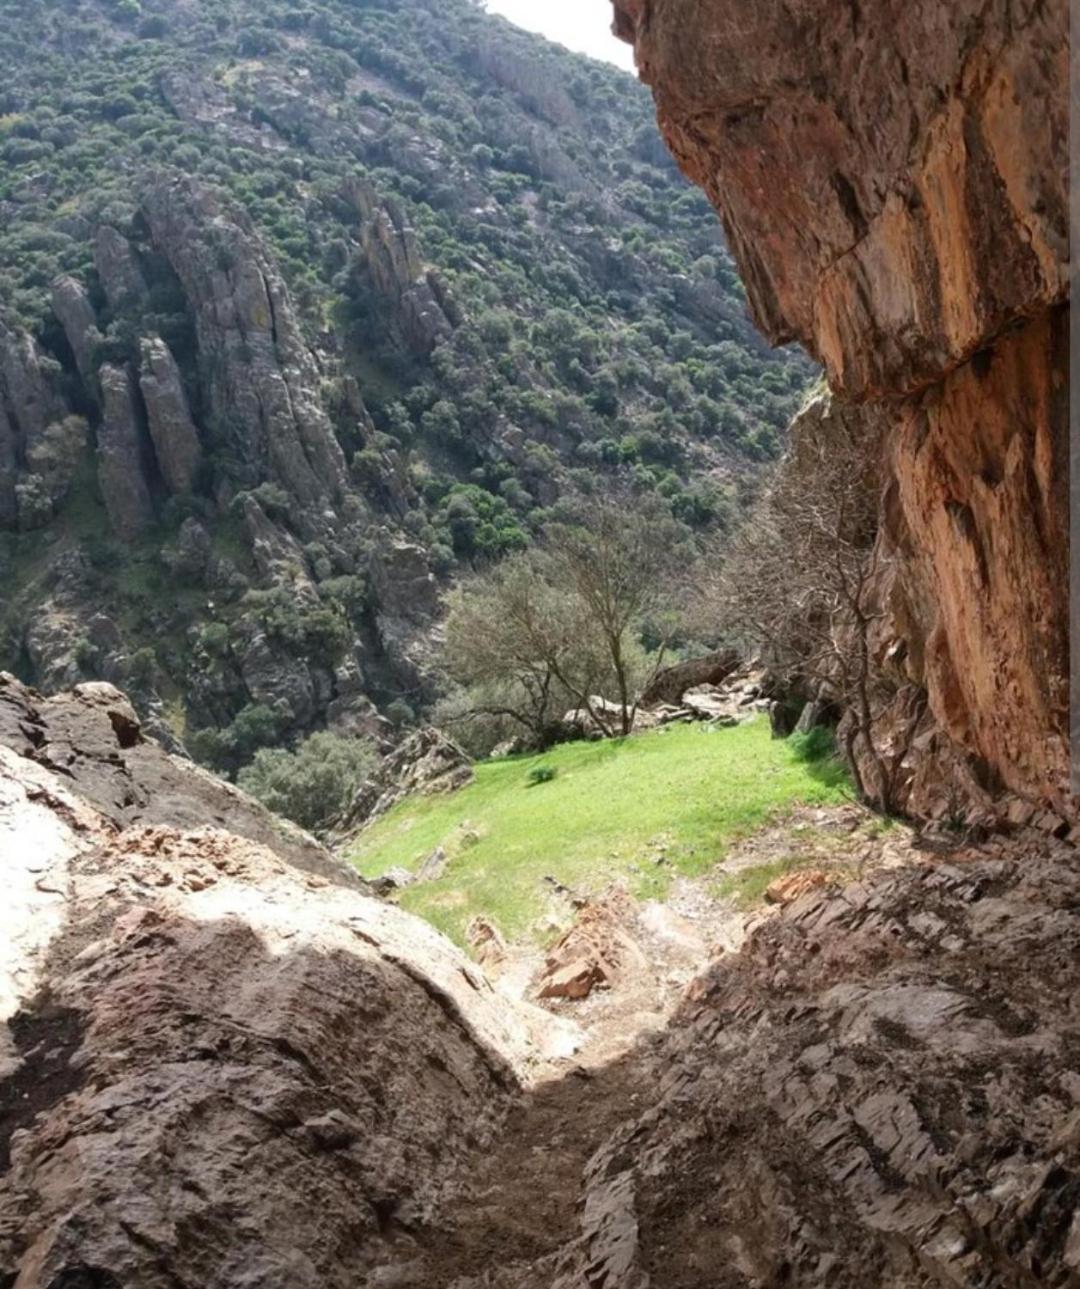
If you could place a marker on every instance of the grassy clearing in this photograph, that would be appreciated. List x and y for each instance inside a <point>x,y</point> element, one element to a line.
<point>609,811</point>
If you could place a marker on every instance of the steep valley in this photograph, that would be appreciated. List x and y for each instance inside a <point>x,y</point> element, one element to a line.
<point>304,310</point>
<point>226,1061</point>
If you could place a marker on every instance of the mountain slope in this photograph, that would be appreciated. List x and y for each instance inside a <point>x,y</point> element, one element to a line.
<point>304,307</point>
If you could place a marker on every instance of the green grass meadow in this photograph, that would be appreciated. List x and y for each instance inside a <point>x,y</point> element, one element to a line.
<point>611,808</point>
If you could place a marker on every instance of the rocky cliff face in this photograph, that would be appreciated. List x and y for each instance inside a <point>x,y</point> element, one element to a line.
<point>257,374</point>
<point>893,186</point>
<point>221,1063</point>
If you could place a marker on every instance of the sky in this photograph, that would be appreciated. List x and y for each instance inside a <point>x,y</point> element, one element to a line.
<point>584,25</point>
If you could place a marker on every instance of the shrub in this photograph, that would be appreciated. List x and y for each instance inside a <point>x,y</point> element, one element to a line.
<point>313,785</point>
<point>817,744</point>
<point>541,774</point>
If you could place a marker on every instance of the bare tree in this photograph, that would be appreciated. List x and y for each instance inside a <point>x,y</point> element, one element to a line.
<point>561,625</point>
<point>620,562</point>
<point>801,580</point>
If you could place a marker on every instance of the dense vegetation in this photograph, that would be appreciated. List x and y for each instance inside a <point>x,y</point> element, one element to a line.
<point>640,810</point>
<point>600,328</point>
<point>534,178</point>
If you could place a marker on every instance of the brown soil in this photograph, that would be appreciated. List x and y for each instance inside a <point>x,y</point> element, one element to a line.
<point>520,1201</point>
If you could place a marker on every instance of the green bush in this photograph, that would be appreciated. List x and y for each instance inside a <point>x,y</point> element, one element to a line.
<point>313,785</point>
<point>818,744</point>
<point>541,774</point>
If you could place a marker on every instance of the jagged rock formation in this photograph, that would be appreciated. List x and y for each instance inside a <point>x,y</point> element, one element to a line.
<point>256,374</point>
<point>256,371</point>
<point>172,430</point>
<point>223,1064</point>
<point>75,313</point>
<point>40,444</point>
<point>877,1090</point>
<point>408,376</point>
<point>918,247</point>
<point>122,466</point>
<point>118,268</point>
<point>425,313</point>
<point>244,411</point>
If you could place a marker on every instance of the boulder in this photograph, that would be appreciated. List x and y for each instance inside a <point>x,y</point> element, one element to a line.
<point>189,558</point>
<point>394,879</point>
<point>434,866</point>
<point>669,685</point>
<point>597,952</point>
<point>402,579</point>
<point>487,945</point>
<point>793,886</point>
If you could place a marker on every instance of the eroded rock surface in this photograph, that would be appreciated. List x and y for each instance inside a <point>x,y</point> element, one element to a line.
<point>92,740</point>
<point>880,1089</point>
<point>220,1066</point>
<point>893,186</point>
<point>923,206</point>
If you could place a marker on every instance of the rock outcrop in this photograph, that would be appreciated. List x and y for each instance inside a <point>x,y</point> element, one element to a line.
<point>257,374</point>
<point>669,685</point>
<point>877,1091</point>
<point>118,268</point>
<point>168,415</point>
<point>40,445</point>
<point>222,1063</point>
<point>92,738</point>
<point>121,450</point>
<point>893,187</point>
<point>427,762</point>
<point>423,310</point>
<point>75,313</point>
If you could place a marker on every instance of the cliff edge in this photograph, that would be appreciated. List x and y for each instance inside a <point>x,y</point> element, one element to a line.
<point>893,183</point>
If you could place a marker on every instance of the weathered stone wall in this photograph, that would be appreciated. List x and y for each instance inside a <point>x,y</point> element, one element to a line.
<point>893,184</point>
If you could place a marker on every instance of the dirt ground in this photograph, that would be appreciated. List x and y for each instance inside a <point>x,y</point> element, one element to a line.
<point>520,1202</point>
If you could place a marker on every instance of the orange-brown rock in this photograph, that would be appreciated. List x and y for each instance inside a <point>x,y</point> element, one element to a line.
<point>977,517</point>
<point>892,179</point>
<point>893,185</point>
<point>597,952</point>
<point>793,886</point>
